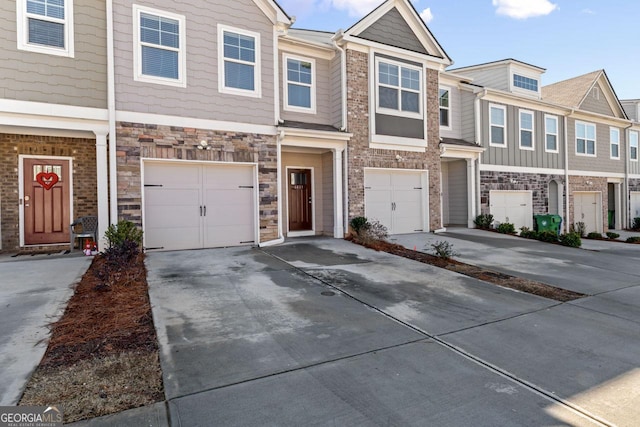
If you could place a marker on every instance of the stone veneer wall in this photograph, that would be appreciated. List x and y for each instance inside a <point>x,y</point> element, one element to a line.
<point>538,184</point>
<point>590,183</point>
<point>359,154</point>
<point>137,140</point>
<point>83,170</point>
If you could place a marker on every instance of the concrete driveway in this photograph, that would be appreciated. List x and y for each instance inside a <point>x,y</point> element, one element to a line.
<point>34,291</point>
<point>322,331</point>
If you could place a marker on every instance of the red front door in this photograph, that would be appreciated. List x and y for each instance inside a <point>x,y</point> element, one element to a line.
<point>46,201</point>
<point>300,208</point>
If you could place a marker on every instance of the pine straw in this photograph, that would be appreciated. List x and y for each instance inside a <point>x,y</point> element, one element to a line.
<point>486,275</point>
<point>102,356</point>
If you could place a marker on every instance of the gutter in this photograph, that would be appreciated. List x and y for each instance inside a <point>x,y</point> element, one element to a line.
<point>344,127</point>
<point>111,112</point>
<point>626,219</point>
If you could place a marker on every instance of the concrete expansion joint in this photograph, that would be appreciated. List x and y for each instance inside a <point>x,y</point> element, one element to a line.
<point>545,394</point>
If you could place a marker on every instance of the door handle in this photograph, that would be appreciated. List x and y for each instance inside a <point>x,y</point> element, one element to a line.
<point>309,200</point>
<point>200,210</point>
<point>205,211</point>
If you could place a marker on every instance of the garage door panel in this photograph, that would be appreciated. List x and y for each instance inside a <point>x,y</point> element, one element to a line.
<point>172,175</point>
<point>635,205</point>
<point>377,179</point>
<point>586,209</point>
<point>224,177</point>
<point>514,207</point>
<point>175,238</point>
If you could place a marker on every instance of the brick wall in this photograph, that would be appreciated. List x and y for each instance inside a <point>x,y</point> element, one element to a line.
<point>360,156</point>
<point>136,140</point>
<point>589,183</point>
<point>83,152</point>
<point>538,184</point>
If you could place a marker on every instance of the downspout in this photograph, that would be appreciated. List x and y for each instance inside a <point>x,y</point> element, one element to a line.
<point>625,208</point>
<point>343,128</point>
<point>478,186</point>
<point>111,112</point>
<point>566,170</point>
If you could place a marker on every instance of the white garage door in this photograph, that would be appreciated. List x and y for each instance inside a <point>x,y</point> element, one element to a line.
<point>635,205</point>
<point>587,209</point>
<point>515,207</point>
<point>396,199</point>
<point>188,206</point>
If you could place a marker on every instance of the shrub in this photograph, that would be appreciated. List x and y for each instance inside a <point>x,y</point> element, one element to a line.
<point>594,235</point>
<point>634,239</point>
<point>611,235</point>
<point>372,231</point>
<point>548,236</point>
<point>483,221</point>
<point>579,228</point>
<point>444,250</point>
<point>124,240</point>
<point>527,233</point>
<point>506,228</point>
<point>124,231</point>
<point>635,225</point>
<point>571,239</point>
<point>358,224</point>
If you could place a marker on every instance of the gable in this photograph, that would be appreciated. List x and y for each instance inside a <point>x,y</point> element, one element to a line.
<point>392,30</point>
<point>595,101</point>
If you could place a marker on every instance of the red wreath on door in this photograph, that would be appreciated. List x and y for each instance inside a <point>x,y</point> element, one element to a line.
<point>47,179</point>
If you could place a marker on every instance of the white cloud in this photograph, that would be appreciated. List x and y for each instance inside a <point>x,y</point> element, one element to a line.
<point>356,8</point>
<point>426,15</point>
<point>523,9</point>
<point>588,11</point>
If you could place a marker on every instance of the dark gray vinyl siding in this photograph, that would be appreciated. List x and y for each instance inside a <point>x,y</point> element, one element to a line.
<point>393,30</point>
<point>37,77</point>
<point>512,155</point>
<point>399,126</point>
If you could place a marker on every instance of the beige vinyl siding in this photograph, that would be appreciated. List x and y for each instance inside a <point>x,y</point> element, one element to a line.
<point>201,98</point>
<point>455,114</point>
<point>494,78</point>
<point>602,162</point>
<point>322,92</point>
<point>335,83</point>
<point>393,30</point>
<point>327,194</point>
<point>597,104</point>
<point>512,155</point>
<point>467,116</point>
<point>37,77</point>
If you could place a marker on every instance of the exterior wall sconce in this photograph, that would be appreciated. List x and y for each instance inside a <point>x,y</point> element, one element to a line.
<point>513,181</point>
<point>589,183</point>
<point>204,145</point>
<point>399,158</point>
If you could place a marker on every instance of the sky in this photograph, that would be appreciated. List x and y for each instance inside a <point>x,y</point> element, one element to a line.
<point>567,37</point>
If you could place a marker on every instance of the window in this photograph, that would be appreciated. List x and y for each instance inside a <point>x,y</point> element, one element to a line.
<point>551,133</point>
<point>238,62</point>
<point>526,130</point>
<point>159,47</point>
<point>614,137</point>
<point>299,84</point>
<point>45,26</point>
<point>497,120</point>
<point>444,99</point>
<point>525,82</point>
<point>585,139</point>
<point>633,146</point>
<point>399,89</point>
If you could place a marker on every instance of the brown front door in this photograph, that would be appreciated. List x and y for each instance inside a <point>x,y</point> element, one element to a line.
<point>300,208</point>
<point>46,201</point>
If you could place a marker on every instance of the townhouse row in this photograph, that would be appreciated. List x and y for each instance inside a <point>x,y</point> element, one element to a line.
<point>215,123</point>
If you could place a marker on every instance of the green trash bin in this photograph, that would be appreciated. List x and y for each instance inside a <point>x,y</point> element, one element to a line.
<point>551,223</point>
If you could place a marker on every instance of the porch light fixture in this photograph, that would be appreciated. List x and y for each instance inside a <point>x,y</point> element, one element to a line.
<point>514,181</point>
<point>589,183</point>
<point>204,145</point>
<point>399,158</point>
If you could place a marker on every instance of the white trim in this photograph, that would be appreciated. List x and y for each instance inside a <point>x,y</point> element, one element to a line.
<point>135,117</point>
<point>363,45</point>
<point>520,90</point>
<point>301,233</point>
<point>504,127</point>
<point>181,81</point>
<point>21,159</point>
<point>55,110</point>
<point>289,43</point>
<point>586,145</point>
<point>257,73</point>
<point>631,159</point>
<point>399,141</point>
<point>316,134</point>
<point>22,26</point>
<point>452,151</point>
<point>256,188</point>
<point>556,134</point>
<point>399,112</point>
<point>449,108</point>
<point>596,174</point>
<point>520,169</point>
<point>285,85</point>
<point>532,130</point>
<point>611,143</point>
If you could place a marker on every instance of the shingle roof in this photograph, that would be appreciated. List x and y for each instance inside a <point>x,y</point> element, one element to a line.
<point>570,92</point>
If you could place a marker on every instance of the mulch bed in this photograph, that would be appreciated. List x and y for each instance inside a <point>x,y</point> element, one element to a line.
<point>102,356</point>
<point>486,275</point>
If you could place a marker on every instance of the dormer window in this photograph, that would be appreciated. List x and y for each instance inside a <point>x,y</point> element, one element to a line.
<point>526,83</point>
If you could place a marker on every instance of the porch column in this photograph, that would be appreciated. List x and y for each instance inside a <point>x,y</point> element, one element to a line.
<point>338,207</point>
<point>471,186</point>
<point>103,186</point>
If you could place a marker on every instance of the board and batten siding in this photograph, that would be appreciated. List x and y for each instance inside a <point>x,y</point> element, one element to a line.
<point>511,154</point>
<point>201,98</point>
<point>322,87</point>
<point>602,162</point>
<point>335,83</point>
<point>596,102</point>
<point>79,81</point>
<point>467,116</point>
